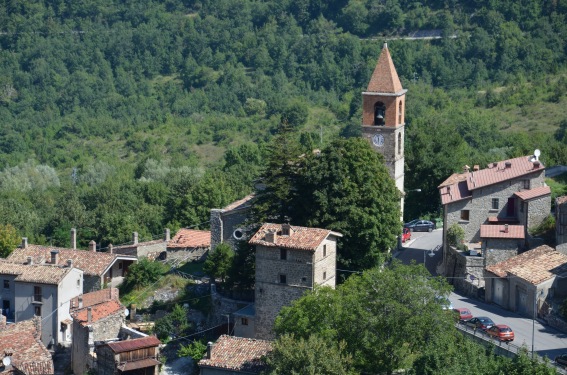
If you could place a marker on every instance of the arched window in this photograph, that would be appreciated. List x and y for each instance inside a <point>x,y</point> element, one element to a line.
<point>400,113</point>
<point>399,143</point>
<point>379,113</point>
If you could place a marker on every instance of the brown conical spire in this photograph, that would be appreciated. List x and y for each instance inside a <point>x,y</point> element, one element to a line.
<point>385,79</point>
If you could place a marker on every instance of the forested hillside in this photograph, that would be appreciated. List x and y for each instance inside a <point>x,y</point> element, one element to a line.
<point>122,116</point>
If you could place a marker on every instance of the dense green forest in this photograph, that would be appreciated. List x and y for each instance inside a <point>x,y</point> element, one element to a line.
<point>122,116</point>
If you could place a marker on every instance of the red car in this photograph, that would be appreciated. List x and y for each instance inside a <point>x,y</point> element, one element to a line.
<point>406,235</point>
<point>501,332</point>
<point>463,313</point>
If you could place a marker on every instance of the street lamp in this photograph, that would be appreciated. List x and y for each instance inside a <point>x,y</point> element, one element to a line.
<point>536,299</point>
<point>431,255</point>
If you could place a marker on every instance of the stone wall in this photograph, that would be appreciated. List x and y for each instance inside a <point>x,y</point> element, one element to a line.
<point>561,224</point>
<point>460,267</point>
<point>497,250</point>
<point>538,210</point>
<point>91,283</point>
<point>224,223</point>
<point>187,255</point>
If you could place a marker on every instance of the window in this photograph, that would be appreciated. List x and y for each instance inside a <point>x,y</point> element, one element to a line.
<point>6,284</point>
<point>495,203</point>
<point>119,265</point>
<point>37,294</point>
<point>400,113</point>
<point>325,275</point>
<point>526,184</point>
<point>37,311</point>
<point>78,282</point>
<point>244,321</point>
<point>379,113</point>
<point>283,254</point>
<point>399,143</point>
<point>283,279</point>
<point>324,251</point>
<point>465,215</point>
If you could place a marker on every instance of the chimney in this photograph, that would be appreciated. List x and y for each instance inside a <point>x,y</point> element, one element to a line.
<point>24,242</point>
<point>537,164</point>
<point>135,238</point>
<point>30,260</point>
<point>111,249</point>
<point>476,167</point>
<point>286,229</point>
<point>271,236</point>
<point>167,235</point>
<point>70,263</point>
<point>508,164</point>
<point>54,256</point>
<point>495,164</point>
<point>81,301</point>
<point>92,246</point>
<point>73,238</point>
<point>133,308</point>
<point>505,228</point>
<point>466,169</point>
<point>209,350</point>
<point>89,315</point>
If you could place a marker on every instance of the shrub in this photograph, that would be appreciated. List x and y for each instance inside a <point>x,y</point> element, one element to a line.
<point>455,235</point>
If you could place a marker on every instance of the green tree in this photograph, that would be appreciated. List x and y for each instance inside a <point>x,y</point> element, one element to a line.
<point>173,325</point>
<point>8,239</point>
<point>144,272</point>
<point>219,261</point>
<point>455,235</point>
<point>314,355</point>
<point>196,350</point>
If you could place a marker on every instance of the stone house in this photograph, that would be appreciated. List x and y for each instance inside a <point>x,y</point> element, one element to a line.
<point>235,355</point>
<point>98,268</point>
<point>228,224</point>
<point>94,321</point>
<point>561,224</point>
<point>21,343</point>
<point>152,250</point>
<point>139,356</point>
<point>524,283</point>
<point>290,260</point>
<point>189,245</point>
<point>42,290</point>
<point>495,207</point>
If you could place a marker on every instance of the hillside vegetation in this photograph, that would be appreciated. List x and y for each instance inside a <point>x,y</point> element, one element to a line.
<point>122,116</point>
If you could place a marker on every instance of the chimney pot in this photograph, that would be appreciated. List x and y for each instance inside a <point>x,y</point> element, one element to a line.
<point>135,238</point>
<point>81,301</point>
<point>24,242</point>
<point>536,164</point>
<point>89,314</point>
<point>54,257</point>
<point>271,236</point>
<point>111,249</point>
<point>209,350</point>
<point>495,164</point>
<point>286,229</point>
<point>30,260</point>
<point>466,169</point>
<point>92,245</point>
<point>70,263</point>
<point>505,228</point>
<point>167,234</point>
<point>73,238</point>
<point>476,167</point>
<point>508,164</point>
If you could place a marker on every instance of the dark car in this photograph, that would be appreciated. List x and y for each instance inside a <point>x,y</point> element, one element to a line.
<point>420,225</point>
<point>561,360</point>
<point>501,332</point>
<point>480,322</point>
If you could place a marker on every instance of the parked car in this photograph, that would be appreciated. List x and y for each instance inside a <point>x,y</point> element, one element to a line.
<point>406,235</point>
<point>561,360</point>
<point>480,322</point>
<point>444,302</point>
<point>463,313</point>
<point>501,332</point>
<point>420,225</point>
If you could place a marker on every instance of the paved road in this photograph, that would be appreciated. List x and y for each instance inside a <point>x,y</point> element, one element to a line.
<point>547,341</point>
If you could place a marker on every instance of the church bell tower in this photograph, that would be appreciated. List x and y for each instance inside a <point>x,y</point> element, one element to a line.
<point>383,112</point>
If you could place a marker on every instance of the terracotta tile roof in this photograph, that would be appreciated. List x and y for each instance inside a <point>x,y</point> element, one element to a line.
<point>533,193</point>
<point>241,203</point>
<point>92,263</point>
<point>43,274</point>
<point>238,354</point>
<point>134,344</point>
<point>460,185</point>
<point>499,231</point>
<point>561,200</point>
<point>94,298</point>
<point>29,355</point>
<point>534,266</point>
<point>385,78</point>
<point>300,238</point>
<point>99,311</point>
<point>190,238</point>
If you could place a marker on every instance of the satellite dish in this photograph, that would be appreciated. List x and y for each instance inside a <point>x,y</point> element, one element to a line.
<point>6,361</point>
<point>537,153</point>
<point>126,312</point>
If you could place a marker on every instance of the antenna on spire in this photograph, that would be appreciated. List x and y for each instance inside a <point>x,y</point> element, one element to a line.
<point>385,45</point>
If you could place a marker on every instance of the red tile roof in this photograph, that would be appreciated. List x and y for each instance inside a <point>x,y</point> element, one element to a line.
<point>460,185</point>
<point>44,274</point>
<point>92,263</point>
<point>100,311</point>
<point>134,344</point>
<point>29,355</point>
<point>300,238</point>
<point>385,78</point>
<point>190,238</point>
<point>499,231</point>
<point>561,200</point>
<point>238,354</point>
<point>534,266</point>
<point>94,298</point>
<point>533,193</point>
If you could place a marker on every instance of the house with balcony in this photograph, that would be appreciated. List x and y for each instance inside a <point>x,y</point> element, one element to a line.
<point>495,207</point>
<point>138,356</point>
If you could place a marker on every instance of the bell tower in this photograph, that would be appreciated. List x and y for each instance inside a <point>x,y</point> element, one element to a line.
<point>383,112</point>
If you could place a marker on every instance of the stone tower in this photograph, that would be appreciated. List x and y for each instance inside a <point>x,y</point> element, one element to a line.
<point>289,261</point>
<point>383,111</point>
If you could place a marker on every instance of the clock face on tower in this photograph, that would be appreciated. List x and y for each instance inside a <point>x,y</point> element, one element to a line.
<point>378,140</point>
